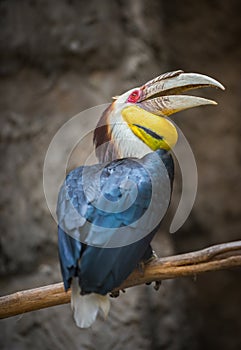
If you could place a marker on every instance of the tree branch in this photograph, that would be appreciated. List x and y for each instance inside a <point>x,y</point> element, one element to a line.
<point>214,258</point>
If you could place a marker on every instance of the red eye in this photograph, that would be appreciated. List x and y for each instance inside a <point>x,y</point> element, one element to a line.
<point>134,96</point>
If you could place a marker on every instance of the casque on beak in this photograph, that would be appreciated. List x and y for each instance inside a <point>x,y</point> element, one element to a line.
<point>149,105</point>
<point>162,95</point>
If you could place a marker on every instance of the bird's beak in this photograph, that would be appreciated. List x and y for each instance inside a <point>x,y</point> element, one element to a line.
<point>162,95</point>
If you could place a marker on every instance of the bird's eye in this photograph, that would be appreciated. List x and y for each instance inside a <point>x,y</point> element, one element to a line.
<point>134,96</point>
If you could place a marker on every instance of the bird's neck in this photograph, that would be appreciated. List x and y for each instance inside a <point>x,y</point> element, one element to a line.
<point>114,139</point>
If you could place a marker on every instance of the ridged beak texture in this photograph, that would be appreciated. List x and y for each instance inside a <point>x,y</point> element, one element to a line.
<point>162,95</point>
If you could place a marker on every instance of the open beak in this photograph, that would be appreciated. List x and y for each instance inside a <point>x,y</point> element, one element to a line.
<point>162,95</point>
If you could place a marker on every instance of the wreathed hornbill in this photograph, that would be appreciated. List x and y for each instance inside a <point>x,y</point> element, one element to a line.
<point>105,221</point>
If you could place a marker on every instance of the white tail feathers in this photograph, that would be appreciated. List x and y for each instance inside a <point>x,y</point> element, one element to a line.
<point>86,307</point>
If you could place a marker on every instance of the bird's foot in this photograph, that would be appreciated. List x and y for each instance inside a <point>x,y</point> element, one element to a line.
<point>116,293</point>
<point>157,285</point>
<point>143,263</point>
<point>152,257</point>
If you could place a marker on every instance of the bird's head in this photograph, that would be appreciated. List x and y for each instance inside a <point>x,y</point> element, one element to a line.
<point>136,122</point>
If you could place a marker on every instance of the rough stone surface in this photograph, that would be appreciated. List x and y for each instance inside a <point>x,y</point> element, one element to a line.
<point>58,58</point>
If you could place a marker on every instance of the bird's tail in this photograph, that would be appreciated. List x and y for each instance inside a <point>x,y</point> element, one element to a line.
<point>86,307</point>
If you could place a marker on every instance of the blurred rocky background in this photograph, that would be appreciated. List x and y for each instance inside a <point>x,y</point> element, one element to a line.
<point>58,58</point>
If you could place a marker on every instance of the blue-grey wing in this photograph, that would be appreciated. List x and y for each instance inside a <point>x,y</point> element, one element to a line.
<point>96,205</point>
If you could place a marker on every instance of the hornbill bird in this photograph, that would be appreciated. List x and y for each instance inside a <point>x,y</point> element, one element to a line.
<point>109,212</point>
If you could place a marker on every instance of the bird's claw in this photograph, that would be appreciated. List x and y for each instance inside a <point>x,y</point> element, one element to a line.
<point>152,257</point>
<point>116,293</point>
<point>157,285</point>
<point>143,263</point>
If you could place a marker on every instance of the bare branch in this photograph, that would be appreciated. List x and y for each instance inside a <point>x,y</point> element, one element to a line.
<point>214,258</point>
